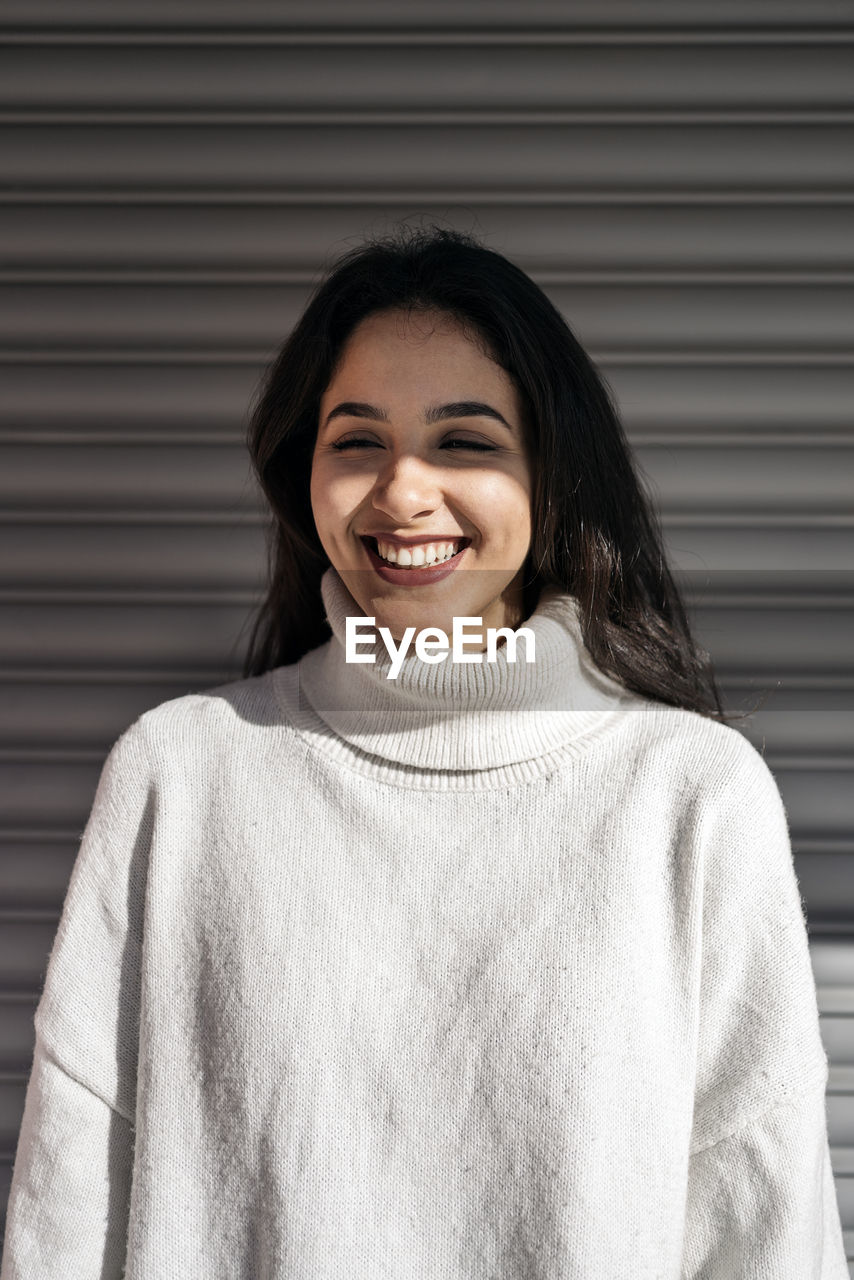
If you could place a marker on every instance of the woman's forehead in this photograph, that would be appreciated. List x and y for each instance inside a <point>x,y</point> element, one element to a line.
<point>426,340</point>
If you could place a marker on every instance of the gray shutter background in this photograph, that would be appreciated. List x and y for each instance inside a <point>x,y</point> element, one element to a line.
<point>679,178</point>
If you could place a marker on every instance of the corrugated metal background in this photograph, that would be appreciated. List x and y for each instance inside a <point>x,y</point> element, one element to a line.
<point>679,178</point>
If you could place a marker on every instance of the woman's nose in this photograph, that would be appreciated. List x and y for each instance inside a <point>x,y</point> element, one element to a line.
<point>407,486</point>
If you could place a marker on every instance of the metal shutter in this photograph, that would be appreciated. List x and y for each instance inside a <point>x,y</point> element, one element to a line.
<point>679,178</point>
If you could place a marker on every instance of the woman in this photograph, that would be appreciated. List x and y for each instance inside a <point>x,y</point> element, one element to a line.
<point>407,958</point>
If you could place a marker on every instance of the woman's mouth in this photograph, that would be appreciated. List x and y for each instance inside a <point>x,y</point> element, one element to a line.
<point>415,564</point>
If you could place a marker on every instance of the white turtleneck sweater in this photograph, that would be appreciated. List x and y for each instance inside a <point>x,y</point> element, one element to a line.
<point>485,972</point>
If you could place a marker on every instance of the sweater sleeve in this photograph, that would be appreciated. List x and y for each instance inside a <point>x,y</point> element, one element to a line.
<point>69,1199</point>
<point>68,1210</point>
<point>761,1203</point>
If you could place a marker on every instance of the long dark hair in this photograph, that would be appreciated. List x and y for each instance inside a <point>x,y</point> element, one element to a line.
<point>595,533</point>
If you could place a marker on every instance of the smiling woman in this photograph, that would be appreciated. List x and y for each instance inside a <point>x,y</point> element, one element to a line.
<point>403,336</point>
<point>460,969</point>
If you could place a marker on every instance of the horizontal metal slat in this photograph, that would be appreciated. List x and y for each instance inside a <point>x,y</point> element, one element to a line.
<point>35,874</point>
<point>138,557</point>
<point>808,731</point>
<point>845,1200</point>
<point>405,118</point>
<point>84,715</point>
<point>12,1093</point>
<point>848,1244</point>
<point>216,475</point>
<point>114,398</point>
<point>762,640</point>
<point>16,1018</point>
<point>833,964</point>
<point>162,16</point>
<point>379,77</point>
<point>837,1033</point>
<point>210,517</point>
<point>682,400</point>
<point>24,949</point>
<point>778,478</point>
<point>56,795</point>
<point>826,884</point>
<point>381,160</point>
<point>691,546</point>
<point>840,1079</point>
<point>93,635</point>
<point>201,675</point>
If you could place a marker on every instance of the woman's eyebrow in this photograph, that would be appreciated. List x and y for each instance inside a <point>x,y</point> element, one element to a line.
<point>436,413</point>
<point>466,409</point>
<point>356,409</point>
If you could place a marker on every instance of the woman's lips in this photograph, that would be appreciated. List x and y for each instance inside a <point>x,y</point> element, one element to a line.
<point>421,576</point>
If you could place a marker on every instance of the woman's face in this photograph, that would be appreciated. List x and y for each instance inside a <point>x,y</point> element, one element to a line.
<point>420,444</point>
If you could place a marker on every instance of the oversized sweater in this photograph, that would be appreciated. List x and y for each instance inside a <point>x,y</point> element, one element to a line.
<point>492,971</point>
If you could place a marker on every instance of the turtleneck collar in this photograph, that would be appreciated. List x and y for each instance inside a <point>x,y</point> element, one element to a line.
<point>459,715</point>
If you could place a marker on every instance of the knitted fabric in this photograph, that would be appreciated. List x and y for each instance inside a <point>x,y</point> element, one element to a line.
<point>489,972</point>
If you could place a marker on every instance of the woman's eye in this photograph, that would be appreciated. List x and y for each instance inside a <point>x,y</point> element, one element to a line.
<point>478,445</point>
<point>353,442</point>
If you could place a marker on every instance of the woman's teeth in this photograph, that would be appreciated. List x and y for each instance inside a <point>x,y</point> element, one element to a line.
<point>413,557</point>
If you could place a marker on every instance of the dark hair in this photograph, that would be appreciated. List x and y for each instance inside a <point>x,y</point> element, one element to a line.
<point>595,534</point>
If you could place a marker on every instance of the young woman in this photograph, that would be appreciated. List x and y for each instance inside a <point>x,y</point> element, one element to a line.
<point>461,937</point>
